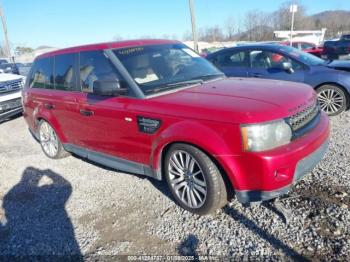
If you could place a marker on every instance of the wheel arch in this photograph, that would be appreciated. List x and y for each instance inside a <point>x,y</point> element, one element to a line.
<point>346,91</point>
<point>228,183</point>
<point>54,123</point>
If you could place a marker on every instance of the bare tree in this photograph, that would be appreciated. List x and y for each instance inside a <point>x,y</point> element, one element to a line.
<point>230,28</point>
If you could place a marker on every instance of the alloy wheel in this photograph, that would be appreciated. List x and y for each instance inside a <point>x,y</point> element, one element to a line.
<point>187,179</point>
<point>331,101</point>
<point>48,139</point>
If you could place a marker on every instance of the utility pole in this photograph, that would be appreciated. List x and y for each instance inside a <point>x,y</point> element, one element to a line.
<point>4,26</point>
<point>194,29</point>
<point>293,9</point>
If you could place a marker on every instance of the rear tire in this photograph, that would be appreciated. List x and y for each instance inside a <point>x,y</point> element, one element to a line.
<point>194,180</point>
<point>50,142</point>
<point>333,100</point>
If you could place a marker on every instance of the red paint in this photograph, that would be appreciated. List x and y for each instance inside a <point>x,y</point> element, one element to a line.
<point>315,50</point>
<point>208,116</point>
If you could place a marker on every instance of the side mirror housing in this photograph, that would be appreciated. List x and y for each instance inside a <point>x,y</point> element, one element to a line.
<point>108,88</point>
<point>287,66</point>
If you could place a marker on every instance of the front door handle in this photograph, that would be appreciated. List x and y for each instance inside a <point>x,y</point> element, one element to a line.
<point>49,106</point>
<point>86,112</point>
<point>255,75</point>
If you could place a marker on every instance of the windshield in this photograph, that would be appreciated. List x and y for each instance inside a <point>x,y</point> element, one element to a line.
<point>303,57</point>
<point>158,68</point>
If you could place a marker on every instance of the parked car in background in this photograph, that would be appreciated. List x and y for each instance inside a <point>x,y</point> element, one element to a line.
<point>4,60</point>
<point>10,95</point>
<point>335,49</point>
<point>10,68</point>
<point>156,108</point>
<point>330,79</point>
<point>306,47</point>
<point>23,68</point>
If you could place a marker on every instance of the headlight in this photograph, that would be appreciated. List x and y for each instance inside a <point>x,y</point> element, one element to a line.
<point>265,136</point>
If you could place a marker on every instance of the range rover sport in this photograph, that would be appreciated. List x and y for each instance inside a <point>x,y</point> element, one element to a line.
<point>156,108</point>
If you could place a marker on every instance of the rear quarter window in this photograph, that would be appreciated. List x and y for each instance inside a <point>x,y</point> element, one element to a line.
<point>42,74</point>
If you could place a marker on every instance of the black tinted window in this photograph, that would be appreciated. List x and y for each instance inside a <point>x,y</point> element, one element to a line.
<point>42,74</point>
<point>231,59</point>
<point>65,75</point>
<point>94,65</point>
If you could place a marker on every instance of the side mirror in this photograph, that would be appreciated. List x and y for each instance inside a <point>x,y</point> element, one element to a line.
<point>287,66</point>
<point>108,88</point>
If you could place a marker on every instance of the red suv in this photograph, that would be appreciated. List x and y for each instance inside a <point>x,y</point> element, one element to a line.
<point>156,108</point>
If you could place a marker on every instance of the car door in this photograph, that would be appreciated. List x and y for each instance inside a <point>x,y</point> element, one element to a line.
<point>234,63</point>
<point>66,93</point>
<point>268,64</point>
<point>105,125</point>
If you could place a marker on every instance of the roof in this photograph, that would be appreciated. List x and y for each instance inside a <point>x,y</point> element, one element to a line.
<point>108,45</point>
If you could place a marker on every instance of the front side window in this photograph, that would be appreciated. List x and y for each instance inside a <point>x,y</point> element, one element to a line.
<point>65,75</point>
<point>42,74</point>
<point>270,60</point>
<point>156,68</point>
<point>95,66</point>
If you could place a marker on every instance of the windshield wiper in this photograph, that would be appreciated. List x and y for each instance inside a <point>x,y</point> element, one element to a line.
<point>176,84</point>
<point>209,76</point>
<point>185,83</point>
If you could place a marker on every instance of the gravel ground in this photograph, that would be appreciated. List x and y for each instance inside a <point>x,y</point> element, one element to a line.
<point>70,206</point>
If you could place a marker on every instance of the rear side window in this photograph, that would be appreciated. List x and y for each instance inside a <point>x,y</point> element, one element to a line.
<point>42,74</point>
<point>232,59</point>
<point>65,72</point>
<point>94,65</point>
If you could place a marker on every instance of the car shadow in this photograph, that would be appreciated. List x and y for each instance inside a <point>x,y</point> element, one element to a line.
<point>263,234</point>
<point>34,222</point>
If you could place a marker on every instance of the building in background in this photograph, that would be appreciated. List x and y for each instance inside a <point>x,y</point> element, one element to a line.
<point>311,36</point>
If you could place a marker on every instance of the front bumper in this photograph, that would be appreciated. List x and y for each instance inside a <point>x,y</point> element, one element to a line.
<point>257,176</point>
<point>303,167</point>
<point>10,108</point>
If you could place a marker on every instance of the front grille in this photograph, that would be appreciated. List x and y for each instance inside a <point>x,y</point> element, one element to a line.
<point>302,118</point>
<point>10,104</point>
<point>10,86</point>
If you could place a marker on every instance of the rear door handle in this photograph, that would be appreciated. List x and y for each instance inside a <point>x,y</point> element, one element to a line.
<point>48,106</point>
<point>86,112</point>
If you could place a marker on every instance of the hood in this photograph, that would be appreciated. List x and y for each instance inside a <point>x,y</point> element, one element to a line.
<point>238,100</point>
<point>4,77</point>
<point>340,65</point>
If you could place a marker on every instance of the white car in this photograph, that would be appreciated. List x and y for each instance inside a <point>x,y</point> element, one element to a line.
<point>10,95</point>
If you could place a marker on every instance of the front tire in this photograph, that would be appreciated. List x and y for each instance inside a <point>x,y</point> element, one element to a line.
<point>50,142</point>
<point>194,180</point>
<point>333,100</point>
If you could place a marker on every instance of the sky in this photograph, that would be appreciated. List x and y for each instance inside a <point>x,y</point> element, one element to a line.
<point>63,23</point>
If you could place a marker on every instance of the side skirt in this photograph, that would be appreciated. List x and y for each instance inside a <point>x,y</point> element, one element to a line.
<point>113,162</point>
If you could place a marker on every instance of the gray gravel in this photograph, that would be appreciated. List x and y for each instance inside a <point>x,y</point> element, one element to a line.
<point>70,206</point>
